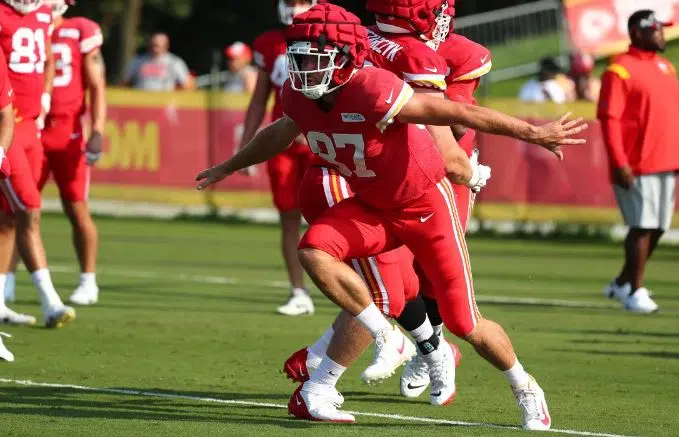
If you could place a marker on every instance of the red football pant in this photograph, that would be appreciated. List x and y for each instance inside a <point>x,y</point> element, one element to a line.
<point>64,158</point>
<point>389,276</point>
<point>20,190</point>
<point>429,227</point>
<point>286,171</point>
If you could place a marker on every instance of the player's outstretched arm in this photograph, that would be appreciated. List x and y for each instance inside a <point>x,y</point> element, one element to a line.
<point>422,109</point>
<point>266,144</point>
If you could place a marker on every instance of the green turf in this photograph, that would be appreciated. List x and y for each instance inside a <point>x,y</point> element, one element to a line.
<point>603,370</point>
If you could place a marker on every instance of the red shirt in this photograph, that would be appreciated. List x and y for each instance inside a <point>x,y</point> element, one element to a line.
<point>387,163</point>
<point>71,41</point>
<point>639,112</point>
<point>23,39</point>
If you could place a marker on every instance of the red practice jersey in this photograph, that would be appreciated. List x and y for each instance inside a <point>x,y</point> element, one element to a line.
<point>408,58</point>
<point>24,39</point>
<point>467,62</point>
<point>269,55</point>
<point>387,163</point>
<point>71,41</point>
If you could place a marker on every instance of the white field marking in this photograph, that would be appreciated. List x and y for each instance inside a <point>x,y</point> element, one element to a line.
<point>397,417</point>
<point>223,280</point>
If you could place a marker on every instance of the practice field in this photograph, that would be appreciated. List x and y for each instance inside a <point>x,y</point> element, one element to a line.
<point>185,342</point>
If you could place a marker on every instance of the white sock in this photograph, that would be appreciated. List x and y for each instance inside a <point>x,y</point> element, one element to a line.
<point>328,372</point>
<point>10,281</point>
<point>516,376</point>
<point>88,279</point>
<point>373,320</point>
<point>299,291</point>
<point>438,329</point>
<point>3,278</point>
<point>48,295</point>
<point>423,332</point>
<point>319,348</point>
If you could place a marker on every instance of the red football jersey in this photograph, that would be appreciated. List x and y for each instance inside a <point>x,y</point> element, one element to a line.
<point>71,41</point>
<point>23,39</point>
<point>387,163</point>
<point>467,61</point>
<point>269,55</point>
<point>408,58</point>
<point>6,91</point>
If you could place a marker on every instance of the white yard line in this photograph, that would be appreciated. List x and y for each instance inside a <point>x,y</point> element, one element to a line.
<point>396,417</point>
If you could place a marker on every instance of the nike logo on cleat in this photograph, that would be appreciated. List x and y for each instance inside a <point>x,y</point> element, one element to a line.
<point>413,387</point>
<point>333,374</point>
<point>403,346</point>
<point>437,394</point>
<point>298,401</point>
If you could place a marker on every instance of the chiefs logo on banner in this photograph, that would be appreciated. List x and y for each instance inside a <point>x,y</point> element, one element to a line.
<point>599,27</point>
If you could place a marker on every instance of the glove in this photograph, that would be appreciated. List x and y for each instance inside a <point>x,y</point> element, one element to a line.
<point>5,169</point>
<point>93,148</point>
<point>480,173</point>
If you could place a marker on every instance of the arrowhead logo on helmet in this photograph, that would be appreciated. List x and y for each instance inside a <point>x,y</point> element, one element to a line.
<point>326,45</point>
<point>430,19</point>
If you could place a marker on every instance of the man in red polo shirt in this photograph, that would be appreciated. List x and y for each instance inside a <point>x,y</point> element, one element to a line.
<point>638,110</point>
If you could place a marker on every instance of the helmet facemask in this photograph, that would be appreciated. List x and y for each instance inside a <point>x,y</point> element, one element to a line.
<point>312,68</point>
<point>286,13</point>
<point>441,27</point>
<point>24,6</point>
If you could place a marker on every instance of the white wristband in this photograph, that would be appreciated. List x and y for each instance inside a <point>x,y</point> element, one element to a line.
<point>46,102</point>
<point>476,175</point>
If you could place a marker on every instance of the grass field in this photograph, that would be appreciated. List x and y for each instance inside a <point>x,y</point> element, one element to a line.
<point>184,342</point>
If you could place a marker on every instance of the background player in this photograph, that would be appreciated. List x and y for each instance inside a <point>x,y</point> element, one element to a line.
<point>79,68</point>
<point>25,31</point>
<point>287,169</point>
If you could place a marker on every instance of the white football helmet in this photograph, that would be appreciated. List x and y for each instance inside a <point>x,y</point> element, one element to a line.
<point>286,12</point>
<point>24,6</point>
<point>327,61</point>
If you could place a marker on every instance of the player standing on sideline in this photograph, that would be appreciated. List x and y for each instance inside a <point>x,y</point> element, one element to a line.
<point>79,69</point>
<point>6,134</point>
<point>287,169</point>
<point>639,113</point>
<point>402,195</point>
<point>25,31</point>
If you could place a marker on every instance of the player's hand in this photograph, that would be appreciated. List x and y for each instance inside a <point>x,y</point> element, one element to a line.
<point>211,176</point>
<point>480,173</point>
<point>623,177</point>
<point>94,148</point>
<point>559,133</point>
<point>5,169</point>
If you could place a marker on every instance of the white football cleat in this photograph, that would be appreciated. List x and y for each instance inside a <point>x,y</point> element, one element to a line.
<point>618,292</point>
<point>85,295</point>
<point>59,316</point>
<point>640,302</point>
<point>531,401</point>
<point>441,364</point>
<point>318,402</point>
<point>392,350</point>
<point>297,305</point>
<point>5,354</point>
<point>13,318</point>
<point>10,289</point>
<point>415,377</point>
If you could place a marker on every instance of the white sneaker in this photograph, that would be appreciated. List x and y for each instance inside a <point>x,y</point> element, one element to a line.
<point>297,305</point>
<point>13,318</point>
<point>441,363</point>
<point>392,349</point>
<point>619,292</point>
<point>415,377</point>
<point>5,354</point>
<point>10,289</point>
<point>318,402</point>
<point>59,317</point>
<point>533,405</point>
<point>640,302</point>
<point>85,295</point>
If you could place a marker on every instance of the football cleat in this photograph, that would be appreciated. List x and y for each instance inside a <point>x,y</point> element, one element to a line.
<point>640,302</point>
<point>59,317</point>
<point>13,318</point>
<point>392,350</point>
<point>618,292</point>
<point>300,365</point>
<point>297,305</point>
<point>531,401</point>
<point>318,402</point>
<point>415,377</point>
<point>442,363</point>
<point>85,295</point>
<point>5,354</point>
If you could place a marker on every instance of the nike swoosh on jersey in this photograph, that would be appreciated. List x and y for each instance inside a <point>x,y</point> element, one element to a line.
<point>483,60</point>
<point>391,94</point>
<point>433,70</point>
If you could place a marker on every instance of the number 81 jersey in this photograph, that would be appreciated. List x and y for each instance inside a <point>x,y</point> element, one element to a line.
<point>23,39</point>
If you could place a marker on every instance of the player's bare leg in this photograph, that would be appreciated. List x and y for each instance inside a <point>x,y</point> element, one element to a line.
<point>6,249</point>
<point>85,242</point>
<point>32,251</point>
<point>299,302</point>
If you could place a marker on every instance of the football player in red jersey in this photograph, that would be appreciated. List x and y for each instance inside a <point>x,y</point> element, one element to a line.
<point>398,175</point>
<point>25,31</point>
<point>6,134</point>
<point>68,157</point>
<point>287,169</point>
